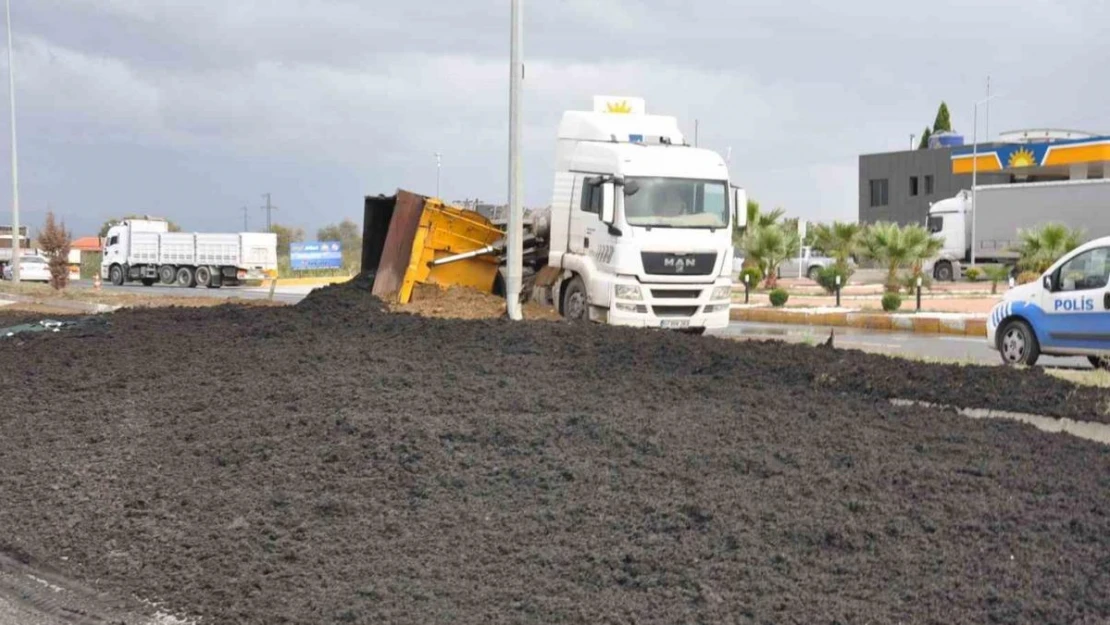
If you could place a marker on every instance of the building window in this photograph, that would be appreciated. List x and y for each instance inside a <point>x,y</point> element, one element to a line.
<point>928,185</point>
<point>879,192</point>
<point>913,185</point>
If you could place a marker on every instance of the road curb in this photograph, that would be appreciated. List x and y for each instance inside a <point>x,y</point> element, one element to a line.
<point>923,323</point>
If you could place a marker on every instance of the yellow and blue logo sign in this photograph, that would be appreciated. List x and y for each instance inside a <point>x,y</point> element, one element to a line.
<point>1034,154</point>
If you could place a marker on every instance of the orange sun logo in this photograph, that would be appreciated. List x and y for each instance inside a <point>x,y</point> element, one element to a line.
<point>1022,158</point>
<point>618,107</point>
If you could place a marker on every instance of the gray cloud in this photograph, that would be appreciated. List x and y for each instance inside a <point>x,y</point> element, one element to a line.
<point>196,108</point>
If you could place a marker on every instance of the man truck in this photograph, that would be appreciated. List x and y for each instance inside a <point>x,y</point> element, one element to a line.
<point>639,231</point>
<point>145,251</point>
<point>1003,210</point>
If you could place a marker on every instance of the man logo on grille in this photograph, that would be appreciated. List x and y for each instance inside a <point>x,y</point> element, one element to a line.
<point>679,264</point>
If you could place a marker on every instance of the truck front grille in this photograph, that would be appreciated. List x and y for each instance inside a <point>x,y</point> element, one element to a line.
<point>674,311</point>
<point>675,293</point>
<point>671,264</point>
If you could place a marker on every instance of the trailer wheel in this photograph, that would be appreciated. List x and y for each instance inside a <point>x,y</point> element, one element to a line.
<point>149,281</point>
<point>186,277</point>
<point>1099,362</point>
<point>168,274</point>
<point>203,276</point>
<point>115,275</point>
<point>574,300</point>
<point>943,271</point>
<point>1017,344</point>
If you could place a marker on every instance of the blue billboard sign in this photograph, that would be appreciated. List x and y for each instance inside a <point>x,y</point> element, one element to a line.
<point>316,255</point>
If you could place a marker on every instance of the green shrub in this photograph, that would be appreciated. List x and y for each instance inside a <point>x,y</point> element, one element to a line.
<point>973,274</point>
<point>827,277</point>
<point>779,297</point>
<point>892,302</point>
<point>755,276</point>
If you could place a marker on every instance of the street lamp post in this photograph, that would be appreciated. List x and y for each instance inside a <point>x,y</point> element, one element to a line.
<point>16,240</point>
<point>975,170</point>
<point>515,234</point>
<point>438,163</point>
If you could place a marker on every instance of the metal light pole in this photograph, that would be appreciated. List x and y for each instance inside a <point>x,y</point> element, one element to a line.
<point>516,212</point>
<point>16,238</point>
<point>975,171</point>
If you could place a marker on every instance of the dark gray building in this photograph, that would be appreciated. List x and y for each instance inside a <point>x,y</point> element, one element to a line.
<point>899,186</point>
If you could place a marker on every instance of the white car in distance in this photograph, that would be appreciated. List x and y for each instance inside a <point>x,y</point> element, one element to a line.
<point>32,268</point>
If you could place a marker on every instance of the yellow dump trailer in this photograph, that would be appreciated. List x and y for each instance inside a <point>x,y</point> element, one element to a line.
<point>411,239</point>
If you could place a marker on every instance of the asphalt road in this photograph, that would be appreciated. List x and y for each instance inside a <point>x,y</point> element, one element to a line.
<point>288,294</point>
<point>969,350</point>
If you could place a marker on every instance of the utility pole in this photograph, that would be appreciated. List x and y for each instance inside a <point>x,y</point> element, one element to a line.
<point>269,208</point>
<point>516,181</point>
<point>246,228</point>
<point>912,136</point>
<point>16,239</point>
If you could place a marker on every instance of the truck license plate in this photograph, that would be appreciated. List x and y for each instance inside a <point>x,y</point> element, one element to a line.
<point>676,323</point>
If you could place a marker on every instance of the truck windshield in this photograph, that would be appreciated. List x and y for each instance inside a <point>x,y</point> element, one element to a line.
<point>936,224</point>
<point>677,203</point>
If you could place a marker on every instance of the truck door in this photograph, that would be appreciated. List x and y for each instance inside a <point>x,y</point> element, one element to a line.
<point>114,248</point>
<point>1077,308</point>
<point>585,222</point>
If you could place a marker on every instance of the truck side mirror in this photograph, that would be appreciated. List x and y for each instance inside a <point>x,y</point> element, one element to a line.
<point>740,207</point>
<point>607,203</point>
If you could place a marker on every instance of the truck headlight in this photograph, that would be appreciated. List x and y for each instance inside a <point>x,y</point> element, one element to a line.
<point>628,291</point>
<point>721,292</point>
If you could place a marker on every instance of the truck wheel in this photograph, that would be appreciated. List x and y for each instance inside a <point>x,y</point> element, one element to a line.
<point>814,273</point>
<point>168,274</point>
<point>943,272</point>
<point>186,277</point>
<point>1017,344</point>
<point>115,275</point>
<point>149,281</point>
<point>1099,362</point>
<point>574,300</point>
<point>203,277</point>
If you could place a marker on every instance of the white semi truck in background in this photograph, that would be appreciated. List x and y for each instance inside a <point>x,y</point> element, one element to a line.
<point>640,222</point>
<point>1003,210</point>
<point>145,251</point>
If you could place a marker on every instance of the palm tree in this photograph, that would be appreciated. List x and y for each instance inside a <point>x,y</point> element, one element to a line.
<point>1041,247</point>
<point>899,246</point>
<point>841,240</point>
<point>996,274</point>
<point>768,246</point>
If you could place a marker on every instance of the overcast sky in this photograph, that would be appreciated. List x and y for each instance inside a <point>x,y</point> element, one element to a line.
<point>193,109</point>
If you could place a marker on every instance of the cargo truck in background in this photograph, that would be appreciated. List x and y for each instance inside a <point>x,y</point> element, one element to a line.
<point>145,251</point>
<point>1003,210</point>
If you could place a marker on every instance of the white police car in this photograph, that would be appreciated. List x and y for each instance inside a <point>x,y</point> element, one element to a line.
<point>1065,313</point>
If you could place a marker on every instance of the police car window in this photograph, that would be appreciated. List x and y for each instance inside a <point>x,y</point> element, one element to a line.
<point>1089,270</point>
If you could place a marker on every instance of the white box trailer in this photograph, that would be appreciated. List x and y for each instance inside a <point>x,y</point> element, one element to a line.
<point>1003,210</point>
<point>143,250</point>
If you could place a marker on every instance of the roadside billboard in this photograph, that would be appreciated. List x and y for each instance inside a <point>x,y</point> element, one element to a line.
<point>315,255</point>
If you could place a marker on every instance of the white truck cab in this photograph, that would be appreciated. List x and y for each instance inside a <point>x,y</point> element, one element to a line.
<point>641,222</point>
<point>1065,313</point>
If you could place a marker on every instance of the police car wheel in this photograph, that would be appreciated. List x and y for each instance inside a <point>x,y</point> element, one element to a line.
<point>1099,362</point>
<point>1017,344</point>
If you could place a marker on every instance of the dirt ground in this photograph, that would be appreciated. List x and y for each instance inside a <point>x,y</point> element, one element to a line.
<point>456,302</point>
<point>333,463</point>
